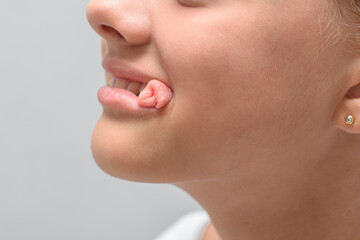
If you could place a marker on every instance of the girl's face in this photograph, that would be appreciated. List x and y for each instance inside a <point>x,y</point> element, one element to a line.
<point>251,82</point>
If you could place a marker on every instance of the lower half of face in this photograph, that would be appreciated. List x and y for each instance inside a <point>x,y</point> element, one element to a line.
<point>250,84</point>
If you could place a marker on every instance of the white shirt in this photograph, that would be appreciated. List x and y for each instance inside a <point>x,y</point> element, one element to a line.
<point>191,226</point>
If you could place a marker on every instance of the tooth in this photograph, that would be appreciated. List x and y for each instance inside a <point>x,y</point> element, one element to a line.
<point>107,79</point>
<point>142,87</point>
<point>122,83</point>
<point>113,82</point>
<point>119,83</point>
<point>134,87</point>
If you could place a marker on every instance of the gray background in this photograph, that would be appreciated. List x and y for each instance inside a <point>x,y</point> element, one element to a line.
<point>50,186</point>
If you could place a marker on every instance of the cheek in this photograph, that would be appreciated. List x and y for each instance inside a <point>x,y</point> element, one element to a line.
<point>218,95</point>
<point>218,74</point>
<point>237,83</point>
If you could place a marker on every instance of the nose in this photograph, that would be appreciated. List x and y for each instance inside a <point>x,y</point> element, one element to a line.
<point>124,21</point>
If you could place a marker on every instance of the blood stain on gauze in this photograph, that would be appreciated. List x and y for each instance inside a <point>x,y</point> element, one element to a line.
<point>156,94</point>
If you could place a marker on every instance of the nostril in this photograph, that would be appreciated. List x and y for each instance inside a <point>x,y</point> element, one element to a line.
<point>111,31</point>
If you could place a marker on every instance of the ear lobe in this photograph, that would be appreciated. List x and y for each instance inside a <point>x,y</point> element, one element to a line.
<point>350,105</point>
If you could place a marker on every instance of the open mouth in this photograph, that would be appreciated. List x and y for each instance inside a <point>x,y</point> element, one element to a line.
<point>122,93</point>
<point>132,90</point>
<point>132,86</point>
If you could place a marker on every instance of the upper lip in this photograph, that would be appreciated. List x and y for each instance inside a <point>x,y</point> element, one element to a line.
<point>119,69</point>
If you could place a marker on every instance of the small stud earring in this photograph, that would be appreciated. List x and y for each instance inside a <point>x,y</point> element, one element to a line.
<point>349,119</point>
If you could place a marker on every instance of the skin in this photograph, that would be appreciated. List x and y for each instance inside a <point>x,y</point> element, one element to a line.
<point>255,131</point>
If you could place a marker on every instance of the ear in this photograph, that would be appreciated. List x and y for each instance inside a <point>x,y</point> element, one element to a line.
<point>350,105</point>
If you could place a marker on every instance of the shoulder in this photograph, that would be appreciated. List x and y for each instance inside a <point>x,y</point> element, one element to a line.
<point>188,227</point>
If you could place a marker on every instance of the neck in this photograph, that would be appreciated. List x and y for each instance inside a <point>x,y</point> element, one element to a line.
<point>300,202</point>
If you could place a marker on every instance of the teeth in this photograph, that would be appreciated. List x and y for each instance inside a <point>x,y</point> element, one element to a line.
<point>119,83</point>
<point>142,87</point>
<point>132,86</point>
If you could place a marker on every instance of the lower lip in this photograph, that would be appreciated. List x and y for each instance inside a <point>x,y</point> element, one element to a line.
<point>122,100</point>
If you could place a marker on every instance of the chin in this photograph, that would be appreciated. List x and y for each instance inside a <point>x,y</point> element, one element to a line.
<point>115,148</point>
